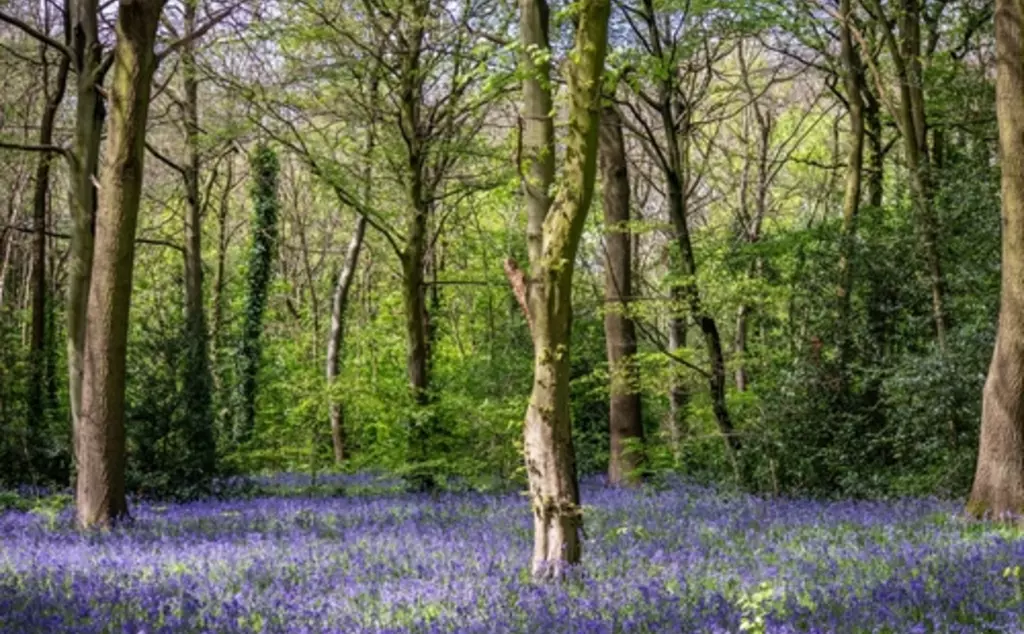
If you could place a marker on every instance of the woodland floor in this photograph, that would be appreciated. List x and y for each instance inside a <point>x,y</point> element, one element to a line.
<point>677,558</point>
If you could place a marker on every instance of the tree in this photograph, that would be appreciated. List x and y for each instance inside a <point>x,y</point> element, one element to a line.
<point>625,423</point>
<point>265,204</point>
<point>100,450</point>
<point>553,234</point>
<point>664,118</point>
<point>41,304</point>
<point>197,378</point>
<point>853,74</point>
<point>904,46</point>
<point>998,490</point>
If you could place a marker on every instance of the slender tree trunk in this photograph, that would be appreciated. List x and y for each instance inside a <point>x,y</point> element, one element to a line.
<point>626,429</point>
<point>678,394</point>
<point>553,240</point>
<point>101,444</point>
<point>40,203</point>
<point>752,232</point>
<point>998,490</point>
<point>219,282</point>
<point>854,169</point>
<point>876,157</point>
<point>336,339</point>
<point>197,379</point>
<point>687,266</point>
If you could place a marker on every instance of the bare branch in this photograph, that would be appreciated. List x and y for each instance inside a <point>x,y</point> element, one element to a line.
<point>36,34</point>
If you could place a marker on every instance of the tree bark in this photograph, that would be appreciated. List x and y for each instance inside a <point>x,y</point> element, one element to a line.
<point>38,380</point>
<point>220,279</point>
<point>853,76</point>
<point>336,339</point>
<point>553,235</point>
<point>626,430</point>
<point>197,379</point>
<point>998,490</point>
<point>100,497</point>
<point>678,395</point>
<point>90,113</point>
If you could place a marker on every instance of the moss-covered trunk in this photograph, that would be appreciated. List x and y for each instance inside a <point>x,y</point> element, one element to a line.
<point>265,167</point>
<point>553,235</point>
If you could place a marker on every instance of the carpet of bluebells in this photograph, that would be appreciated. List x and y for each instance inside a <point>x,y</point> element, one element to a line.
<point>678,558</point>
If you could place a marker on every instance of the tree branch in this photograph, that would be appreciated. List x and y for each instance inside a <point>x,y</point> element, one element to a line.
<point>517,280</point>
<point>36,34</point>
<point>199,32</point>
<point>29,147</point>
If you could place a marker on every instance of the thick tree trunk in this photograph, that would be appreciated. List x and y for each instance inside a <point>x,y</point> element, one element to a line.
<point>553,239</point>
<point>101,444</point>
<point>854,169</point>
<point>90,113</point>
<point>336,339</point>
<point>626,430</point>
<point>998,490</point>
<point>38,380</point>
<point>198,380</point>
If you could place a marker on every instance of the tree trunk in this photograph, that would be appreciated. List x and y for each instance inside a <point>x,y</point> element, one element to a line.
<point>415,250</point>
<point>625,425</point>
<point>38,380</point>
<point>337,335</point>
<point>678,394</point>
<point>687,289</point>
<point>265,168</point>
<point>197,379</point>
<point>220,280</point>
<point>417,364</point>
<point>998,490</point>
<point>854,169</point>
<point>101,444</point>
<point>553,239</point>
<point>876,158</point>
<point>90,113</point>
